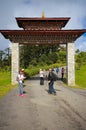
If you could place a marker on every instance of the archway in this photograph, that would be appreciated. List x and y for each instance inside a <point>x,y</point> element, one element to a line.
<point>43,31</point>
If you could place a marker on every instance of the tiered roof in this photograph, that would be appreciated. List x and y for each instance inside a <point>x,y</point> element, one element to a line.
<point>42,31</point>
<point>42,23</point>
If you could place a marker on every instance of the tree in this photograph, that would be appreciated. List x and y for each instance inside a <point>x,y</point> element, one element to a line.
<point>39,54</point>
<point>80,58</point>
<point>1,58</point>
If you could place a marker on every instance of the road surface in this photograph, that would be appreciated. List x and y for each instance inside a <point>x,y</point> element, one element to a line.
<point>38,110</point>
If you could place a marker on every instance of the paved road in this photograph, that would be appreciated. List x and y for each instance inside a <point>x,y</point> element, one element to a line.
<point>38,110</point>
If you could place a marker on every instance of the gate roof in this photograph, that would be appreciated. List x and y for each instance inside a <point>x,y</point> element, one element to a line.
<point>42,23</point>
<point>42,37</point>
<point>42,31</point>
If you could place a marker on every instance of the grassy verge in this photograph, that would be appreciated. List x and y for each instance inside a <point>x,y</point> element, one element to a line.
<point>81,77</point>
<point>5,83</point>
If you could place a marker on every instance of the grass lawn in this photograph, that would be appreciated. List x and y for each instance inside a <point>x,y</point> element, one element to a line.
<point>5,83</point>
<point>81,77</point>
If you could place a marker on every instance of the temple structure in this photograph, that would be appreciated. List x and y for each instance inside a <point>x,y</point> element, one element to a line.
<point>43,31</point>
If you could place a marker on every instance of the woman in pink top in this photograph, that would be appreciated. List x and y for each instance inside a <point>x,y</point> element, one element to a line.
<point>62,72</point>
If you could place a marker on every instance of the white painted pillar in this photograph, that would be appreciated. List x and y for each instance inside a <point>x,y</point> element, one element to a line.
<point>70,64</point>
<point>15,62</point>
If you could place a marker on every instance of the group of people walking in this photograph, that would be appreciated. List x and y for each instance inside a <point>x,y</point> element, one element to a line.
<point>62,72</point>
<point>50,77</point>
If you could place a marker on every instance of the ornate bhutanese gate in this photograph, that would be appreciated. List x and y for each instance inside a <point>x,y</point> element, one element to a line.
<point>43,31</point>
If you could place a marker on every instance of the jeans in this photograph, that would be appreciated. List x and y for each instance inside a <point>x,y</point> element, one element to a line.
<point>20,88</point>
<point>51,88</point>
<point>62,75</point>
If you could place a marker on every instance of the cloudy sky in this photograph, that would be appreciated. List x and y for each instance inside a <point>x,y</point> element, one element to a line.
<point>76,9</point>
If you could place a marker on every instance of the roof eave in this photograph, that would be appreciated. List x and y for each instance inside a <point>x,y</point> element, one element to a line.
<point>19,20</point>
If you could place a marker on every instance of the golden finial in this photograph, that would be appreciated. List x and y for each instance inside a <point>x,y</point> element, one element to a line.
<point>43,14</point>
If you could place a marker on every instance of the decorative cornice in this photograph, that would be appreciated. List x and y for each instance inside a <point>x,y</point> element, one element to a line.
<point>42,37</point>
<point>61,21</point>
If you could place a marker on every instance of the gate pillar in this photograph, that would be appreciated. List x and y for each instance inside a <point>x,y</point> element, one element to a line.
<point>70,64</point>
<point>14,62</point>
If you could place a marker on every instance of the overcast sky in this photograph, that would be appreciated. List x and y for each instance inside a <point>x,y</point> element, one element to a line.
<point>76,9</point>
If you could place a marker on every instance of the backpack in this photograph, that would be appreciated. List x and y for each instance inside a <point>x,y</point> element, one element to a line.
<point>17,78</point>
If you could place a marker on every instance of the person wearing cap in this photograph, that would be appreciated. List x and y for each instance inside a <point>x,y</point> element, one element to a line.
<point>20,83</point>
<point>51,82</point>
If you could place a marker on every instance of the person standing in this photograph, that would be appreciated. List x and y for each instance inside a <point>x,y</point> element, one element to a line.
<point>62,73</point>
<point>20,83</point>
<point>51,77</point>
<point>23,74</point>
<point>57,71</point>
<point>41,73</point>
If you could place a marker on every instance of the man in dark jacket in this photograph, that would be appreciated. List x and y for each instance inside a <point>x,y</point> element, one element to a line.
<point>51,78</point>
